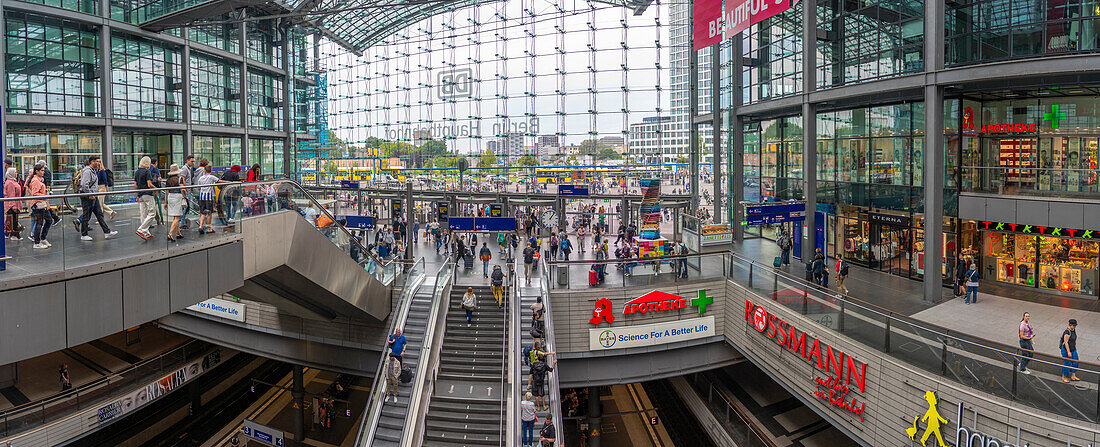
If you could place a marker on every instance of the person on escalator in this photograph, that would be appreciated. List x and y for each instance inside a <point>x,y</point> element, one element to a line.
<point>397,344</point>
<point>548,434</point>
<point>528,418</point>
<point>537,381</point>
<point>393,371</point>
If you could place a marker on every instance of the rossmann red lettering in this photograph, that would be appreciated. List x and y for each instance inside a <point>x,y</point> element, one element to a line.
<point>832,361</point>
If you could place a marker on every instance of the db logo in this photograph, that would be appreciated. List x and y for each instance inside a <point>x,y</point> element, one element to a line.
<point>456,83</point>
<point>760,319</point>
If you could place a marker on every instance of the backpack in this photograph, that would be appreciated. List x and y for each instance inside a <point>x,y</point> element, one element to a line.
<point>111,178</point>
<point>406,374</point>
<point>536,332</point>
<point>527,350</point>
<point>843,268</point>
<point>564,244</point>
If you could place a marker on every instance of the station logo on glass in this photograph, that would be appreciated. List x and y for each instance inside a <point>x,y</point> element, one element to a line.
<point>457,83</point>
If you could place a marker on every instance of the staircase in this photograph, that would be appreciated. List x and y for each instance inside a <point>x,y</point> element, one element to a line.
<point>466,408</point>
<point>391,423</point>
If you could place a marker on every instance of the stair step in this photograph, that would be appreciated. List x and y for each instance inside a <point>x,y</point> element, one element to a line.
<point>432,437</point>
<point>480,426</point>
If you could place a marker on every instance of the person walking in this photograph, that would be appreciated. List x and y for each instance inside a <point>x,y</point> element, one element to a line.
<point>582,233</point>
<point>187,178</point>
<point>1026,334</point>
<point>40,209</point>
<point>548,435</point>
<point>416,231</point>
<point>527,419</point>
<point>206,198</point>
<point>529,261</point>
<point>497,283</point>
<point>63,373</point>
<point>553,245</point>
<point>174,202</point>
<point>972,284</point>
<point>566,246</point>
<point>841,274</point>
<point>253,173</point>
<point>12,208</point>
<point>393,372</point>
<point>397,344</point>
<point>89,180</point>
<point>469,304</point>
<point>818,268</point>
<point>1068,346</point>
<point>785,244</point>
<point>144,182</point>
<point>106,181</point>
<point>486,255</point>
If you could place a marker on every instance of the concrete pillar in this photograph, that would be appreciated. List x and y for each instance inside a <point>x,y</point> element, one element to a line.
<point>933,152</point>
<point>594,416</point>
<point>693,110</point>
<point>809,128</point>
<point>297,392</point>
<point>716,128</point>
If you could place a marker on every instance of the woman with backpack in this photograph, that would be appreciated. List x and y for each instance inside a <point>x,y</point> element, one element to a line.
<point>553,245</point>
<point>565,246</point>
<point>972,283</point>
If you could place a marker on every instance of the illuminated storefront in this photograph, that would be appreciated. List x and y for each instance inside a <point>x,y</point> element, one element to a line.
<point>1042,257</point>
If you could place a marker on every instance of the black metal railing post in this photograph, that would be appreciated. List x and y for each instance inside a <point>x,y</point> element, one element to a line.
<point>943,356</point>
<point>886,338</point>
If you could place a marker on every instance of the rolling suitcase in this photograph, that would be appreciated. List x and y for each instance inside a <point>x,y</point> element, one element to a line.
<point>593,277</point>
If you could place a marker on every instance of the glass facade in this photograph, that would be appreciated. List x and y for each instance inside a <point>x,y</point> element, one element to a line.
<point>51,65</point>
<point>63,152</point>
<point>992,30</point>
<point>869,40</point>
<point>87,6</point>
<point>773,57</point>
<point>130,147</point>
<point>221,151</point>
<point>262,43</point>
<point>147,82</point>
<point>215,91</point>
<point>265,101</point>
<point>268,153</point>
<point>221,36</point>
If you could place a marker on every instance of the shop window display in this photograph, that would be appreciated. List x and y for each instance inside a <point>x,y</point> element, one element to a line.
<point>1052,263</point>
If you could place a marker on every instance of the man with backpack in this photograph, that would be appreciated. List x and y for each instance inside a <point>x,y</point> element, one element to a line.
<point>818,268</point>
<point>88,180</point>
<point>497,282</point>
<point>537,381</point>
<point>564,246</point>
<point>486,255</point>
<point>841,274</point>
<point>785,243</point>
<point>529,261</point>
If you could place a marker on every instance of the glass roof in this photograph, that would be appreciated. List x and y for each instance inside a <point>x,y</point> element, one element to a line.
<point>358,24</point>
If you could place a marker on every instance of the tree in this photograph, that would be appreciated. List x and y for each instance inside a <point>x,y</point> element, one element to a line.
<point>434,148</point>
<point>396,149</point>
<point>444,162</point>
<point>374,142</point>
<point>608,154</point>
<point>571,161</point>
<point>590,147</point>
<point>487,159</point>
<point>528,160</point>
<point>681,159</point>
<point>338,148</point>
<point>330,167</point>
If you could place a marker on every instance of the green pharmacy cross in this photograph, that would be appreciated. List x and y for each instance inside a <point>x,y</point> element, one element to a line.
<point>1054,116</point>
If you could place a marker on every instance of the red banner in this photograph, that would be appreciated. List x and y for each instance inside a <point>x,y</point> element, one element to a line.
<point>707,17</point>
<point>741,14</point>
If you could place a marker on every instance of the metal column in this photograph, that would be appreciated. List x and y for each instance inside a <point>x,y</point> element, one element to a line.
<point>594,416</point>
<point>105,93</point>
<point>737,145</point>
<point>243,30</point>
<point>933,151</point>
<point>188,136</point>
<point>297,392</point>
<point>809,127</point>
<point>716,128</point>
<point>288,101</point>
<point>410,214</point>
<point>693,110</point>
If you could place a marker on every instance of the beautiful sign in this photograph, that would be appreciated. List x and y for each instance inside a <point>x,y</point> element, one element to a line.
<point>707,17</point>
<point>741,14</point>
<point>841,371</point>
<point>603,339</point>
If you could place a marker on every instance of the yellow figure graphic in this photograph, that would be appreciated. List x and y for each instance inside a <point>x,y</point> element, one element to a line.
<point>932,417</point>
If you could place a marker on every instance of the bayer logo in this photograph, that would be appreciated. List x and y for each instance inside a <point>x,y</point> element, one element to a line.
<point>607,338</point>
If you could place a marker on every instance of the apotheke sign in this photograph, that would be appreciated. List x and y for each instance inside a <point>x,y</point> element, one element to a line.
<point>655,301</point>
<point>603,339</point>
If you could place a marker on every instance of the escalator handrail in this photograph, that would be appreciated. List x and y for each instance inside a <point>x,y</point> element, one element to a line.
<point>420,396</point>
<point>369,423</point>
<point>515,365</point>
<point>554,391</point>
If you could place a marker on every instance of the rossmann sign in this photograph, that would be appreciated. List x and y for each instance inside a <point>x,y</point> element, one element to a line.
<point>844,379</point>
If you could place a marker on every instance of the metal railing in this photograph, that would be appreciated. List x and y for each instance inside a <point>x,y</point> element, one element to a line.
<point>369,424</point>
<point>1030,181</point>
<point>420,397</point>
<point>507,363</point>
<point>35,414</point>
<point>514,363</point>
<point>229,209</point>
<point>739,425</point>
<point>643,271</point>
<point>984,365</point>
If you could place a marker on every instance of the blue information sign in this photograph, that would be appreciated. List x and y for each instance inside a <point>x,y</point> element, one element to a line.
<point>766,219</point>
<point>460,224</point>
<point>358,222</point>
<point>481,224</point>
<point>348,184</point>
<point>572,190</point>
<point>774,208</point>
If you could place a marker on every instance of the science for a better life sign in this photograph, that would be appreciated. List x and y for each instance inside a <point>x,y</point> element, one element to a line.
<point>602,339</point>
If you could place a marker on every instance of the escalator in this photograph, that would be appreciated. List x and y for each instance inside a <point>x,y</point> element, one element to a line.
<point>306,269</point>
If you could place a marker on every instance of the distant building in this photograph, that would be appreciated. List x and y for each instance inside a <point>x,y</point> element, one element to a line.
<point>647,140</point>
<point>421,136</point>
<point>549,140</point>
<point>612,142</point>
